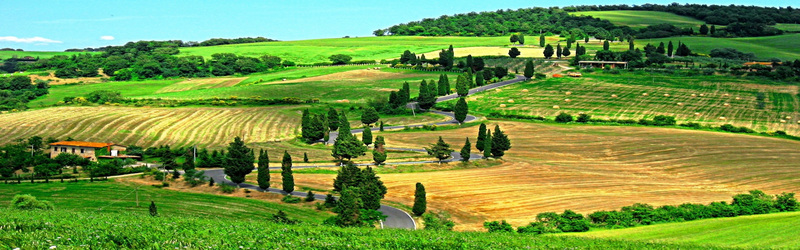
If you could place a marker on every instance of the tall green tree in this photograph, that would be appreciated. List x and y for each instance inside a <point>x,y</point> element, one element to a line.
<point>529,69</point>
<point>305,157</point>
<point>606,45</point>
<point>426,99</point>
<point>369,116</point>
<point>558,51</point>
<point>372,190</point>
<point>466,151</point>
<point>441,150</point>
<point>348,208</point>
<point>366,136</point>
<point>513,39</point>
<point>704,29</point>
<point>462,88</point>
<point>479,81</point>
<point>420,200</point>
<point>346,145</point>
<point>317,128</point>
<point>153,209</point>
<point>286,173</point>
<point>500,143</point>
<point>548,51</point>
<point>713,29</point>
<point>333,119</point>
<point>263,169</point>
<point>565,52</point>
<point>631,44</point>
<point>239,161</point>
<point>670,49</point>
<point>461,110</point>
<point>661,49</point>
<point>379,153</point>
<point>444,85</point>
<point>521,38</point>
<point>481,137</point>
<point>433,89</point>
<point>487,145</point>
<point>348,175</point>
<point>541,40</point>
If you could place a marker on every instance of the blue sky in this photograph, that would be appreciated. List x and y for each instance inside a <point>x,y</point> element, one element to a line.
<point>58,25</point>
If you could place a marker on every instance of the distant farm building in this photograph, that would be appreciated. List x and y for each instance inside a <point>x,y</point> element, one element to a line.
<point>87,149</point>
<point>602,64</point>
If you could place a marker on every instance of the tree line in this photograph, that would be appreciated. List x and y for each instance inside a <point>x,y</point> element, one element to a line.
<point>180,43</point>
<point>17,91</point>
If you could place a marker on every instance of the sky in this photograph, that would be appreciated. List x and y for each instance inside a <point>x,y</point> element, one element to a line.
<point>56,25</point>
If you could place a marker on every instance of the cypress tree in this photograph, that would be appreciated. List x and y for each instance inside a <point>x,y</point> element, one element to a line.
<point>348,176</point>
<point>153,209</point>
<point>521,38</point>
<point>461,109</point>
<point>558,51</point>
<point>263,169</point>
<point>366,136</point>
<point>347,146</point>
<point>487,145</point>
<point>378,156</point>
<point>372,190</point>
<point>317,128</point>
<point>548,51</point>
<point>426,98</point>
<point>481,138</point>
<point>305,125</point>
<point>443,85</point>
<point>406,93</point>
<point>606,45</point>
<point>333,119</point>
<point>565,52</point>
<point>348,208</point>
<point>441,150</point>
<point>461,86</point>
<point>369,116</point>
<point>433,89</point>
<point>469,77</point>
<point>310,196</point>
<point>704,29</point>
<point>381,127</point>
<point>420,200</point>
<point>713,29</point>
<point>541,40</point>
<point>447,84</point>
<point>670,49</point>
<point>466,151</point>
<point>631,44</point>
<point>423,91</point>
<point>661,49</point>
<point>479,79</point>
<point>329,201</point>
<point>500,143</point>
<point>586,39</point>
<point>238,161</point>
<point>529,69</point>
<point>305,157</point>
<point>286,173</point>
<point>470,62</point>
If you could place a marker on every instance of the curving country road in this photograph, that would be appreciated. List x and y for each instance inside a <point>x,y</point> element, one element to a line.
<point>395,218</point>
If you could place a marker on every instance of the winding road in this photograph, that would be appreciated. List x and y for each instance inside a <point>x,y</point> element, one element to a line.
<point>395,218</point>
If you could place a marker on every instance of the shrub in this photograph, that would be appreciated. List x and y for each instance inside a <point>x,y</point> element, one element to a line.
<point>663,120</point>
<point>693,125</point>
<point>282,218</point>
<point>437,222</point>
<point>330,201</point>
<point>583,118</point>
<point>291,199</point>
<point>564,118</point>
<point>29,202</point>
<point>225,188</point>
<point>495,226</point>
<point>310,196</point>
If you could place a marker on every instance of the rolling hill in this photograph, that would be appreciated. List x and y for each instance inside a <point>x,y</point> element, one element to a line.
<point>641,19</point>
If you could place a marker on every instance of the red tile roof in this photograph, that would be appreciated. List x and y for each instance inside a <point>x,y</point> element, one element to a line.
<point>82,144</point>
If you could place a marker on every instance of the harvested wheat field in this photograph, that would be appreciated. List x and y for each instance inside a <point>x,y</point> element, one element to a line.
<point>212,127</point>
<point>590,168</point>
<point>356,76</point>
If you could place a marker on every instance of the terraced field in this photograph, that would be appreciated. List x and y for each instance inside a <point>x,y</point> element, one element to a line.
<point>590,168</point>
<point>212,127</point>
<point>703,99</point>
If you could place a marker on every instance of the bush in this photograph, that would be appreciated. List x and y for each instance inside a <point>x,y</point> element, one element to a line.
<point>564,118</point>
<point>495,226</point>
<point>291,199</point>
<point>437,222</point>
<point>663,120</point>
<point>584,118</point>
<point>29,202</point>
<point>225,188</point>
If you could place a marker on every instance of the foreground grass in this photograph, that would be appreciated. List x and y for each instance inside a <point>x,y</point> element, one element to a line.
<point>641,19</point>
<point>763,231</point>
<point>60,228</point>
<point>114,197</point>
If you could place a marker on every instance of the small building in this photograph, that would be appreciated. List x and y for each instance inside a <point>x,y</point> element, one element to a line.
<point>84,149</point>
<point>602,64</point>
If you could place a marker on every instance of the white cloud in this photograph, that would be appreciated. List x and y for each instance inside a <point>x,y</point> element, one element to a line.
<point>35,39</point>
<point>107,38</point>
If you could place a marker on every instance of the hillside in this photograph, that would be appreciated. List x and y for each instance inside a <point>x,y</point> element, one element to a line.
<point>641,19</point>
<point>781,47</point>
<point>757,231</point>
<point>67,229</point>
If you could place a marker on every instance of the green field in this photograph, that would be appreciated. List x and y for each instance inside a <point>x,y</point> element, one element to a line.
<point>758,231</point>
<point>592,94</point>
<point>114,197</point>
<point>788,27</point>
<point>361,48</point>
<point>641,19</point>
<point>137,230</point>
<point>782,46</point>
<point>39,54</point>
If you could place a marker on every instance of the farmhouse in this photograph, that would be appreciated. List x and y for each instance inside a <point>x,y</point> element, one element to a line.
<point>86,149</point>
<point>602,64</point>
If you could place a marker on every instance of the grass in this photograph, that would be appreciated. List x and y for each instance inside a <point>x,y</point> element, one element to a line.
<point>119,197</point>
<point>39,54</point>
<point>781,46</point>
<point>788,27</point>
<point>592,94</point>
<point>757,231</point>
<point>361,48</point>
<point>68,229</point>
<point>590,168</point>
<point>641,19</point>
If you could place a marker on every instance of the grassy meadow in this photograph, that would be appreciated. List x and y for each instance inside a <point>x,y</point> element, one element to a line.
<point>788,27</point>
<point>781,46</point>
<point>757,231</point>
<point>40,54</point>
<point>717,100</point>
<point>641,19</point>
<point>588,168</point>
